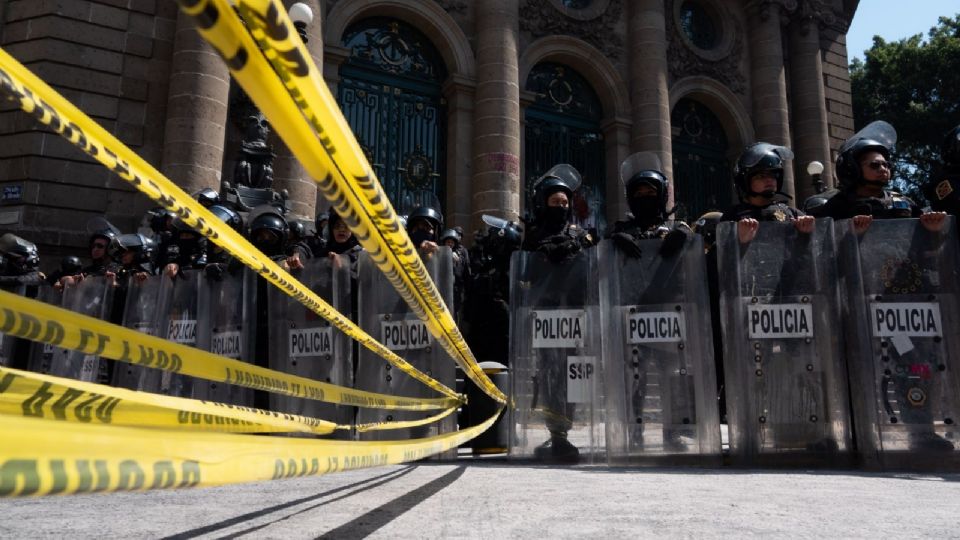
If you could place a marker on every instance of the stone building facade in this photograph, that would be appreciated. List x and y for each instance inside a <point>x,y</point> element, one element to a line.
<point>458,101</point>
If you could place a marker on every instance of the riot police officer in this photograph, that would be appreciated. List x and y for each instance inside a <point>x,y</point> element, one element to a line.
<point>461,268</point>
<point>552,234</point>
<point>19,262</point>
<point>134,254</point>
<point>943,191</point>
<point>486,305</point>
<point>550,231</point>
<point>423,226</point>
<point>268,231</point>
<point>187,249</point>
<point>864,170</point>
<point>340,239</point>
<point>69,266</point>
<point>219,260</point>
<point>645,188</point>
<point>296,246</point>
<point>317,241</point>
<point>758,177</point>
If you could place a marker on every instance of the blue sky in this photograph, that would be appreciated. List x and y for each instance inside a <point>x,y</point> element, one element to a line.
<point>893,20</point>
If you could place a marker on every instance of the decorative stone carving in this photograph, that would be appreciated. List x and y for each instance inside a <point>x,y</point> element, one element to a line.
<point>684,61</point>
<point>821,12</point>
<point>541,18</point>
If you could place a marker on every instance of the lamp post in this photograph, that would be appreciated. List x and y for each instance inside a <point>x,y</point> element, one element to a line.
<point>815,169</point>
<point>302,16</point>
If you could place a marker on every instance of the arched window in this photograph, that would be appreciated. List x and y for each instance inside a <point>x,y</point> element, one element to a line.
<point>700,169</point>
<point>389,92</point>
<point>563,126</point>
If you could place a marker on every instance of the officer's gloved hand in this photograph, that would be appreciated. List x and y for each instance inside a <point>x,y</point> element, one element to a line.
<point>673,242</point>
<point>559,247</point>
<point>627,243</point>
<point>215,271</point>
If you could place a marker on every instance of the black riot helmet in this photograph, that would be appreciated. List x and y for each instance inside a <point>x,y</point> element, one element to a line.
<point>562,177</point>
<point>321,219</point>
<point>70,265</point>
<point>639,169</point>
<point>180,227</point>
<point>757,158</point>
<point>99,227</point>
<point>427,214</point>
<point>268,230</point>
<point>139,244</point>
<point>877,136</point>
<point>161,220</point>
<point>297,232</point>
<point>451,234</point>
<point>22,254</point>
<point>502,233</point>
<point>207,197</point>
<point>706,226</point>
<point>228,216</point>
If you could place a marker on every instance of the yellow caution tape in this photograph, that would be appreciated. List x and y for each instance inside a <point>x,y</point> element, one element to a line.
<point>308,119</point>
<point>40,457</point>
<point>33,395</point>
<point>34,320</point>
<point>400,424</point>
<point>37,98</point>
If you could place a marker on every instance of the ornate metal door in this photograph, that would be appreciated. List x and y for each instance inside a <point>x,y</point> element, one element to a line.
<point>563,126</point>
<point>701,172</point>
<point>390,94</point>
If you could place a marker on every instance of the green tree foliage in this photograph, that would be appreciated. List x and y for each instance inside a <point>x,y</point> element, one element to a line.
<point>915,85</point>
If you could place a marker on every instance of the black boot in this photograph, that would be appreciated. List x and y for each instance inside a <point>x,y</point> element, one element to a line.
<point>557,449</point>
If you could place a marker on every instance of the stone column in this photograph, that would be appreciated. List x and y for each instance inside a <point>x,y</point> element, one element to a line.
<point>196,111</point>
<point>649,95</point>
<point>768,80</point>
<point>810,127</point>
<point>616,135</point>
<point>496,136</point>
<point>288,173</point>
<point>458,91</point>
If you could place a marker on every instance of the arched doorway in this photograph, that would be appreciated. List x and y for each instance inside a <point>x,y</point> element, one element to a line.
<point>700,168</point>
<point>563,126</point>
<point>390,93</point>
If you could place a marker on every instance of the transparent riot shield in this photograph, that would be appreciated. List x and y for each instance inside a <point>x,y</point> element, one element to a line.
<point>385,316</point>
<point>786,383</point>
<point>141,310</point>
<point>555,358</point>
<point>185,301</point>
<point>9,344</point>
<point>902,319</point>
<point>92,297</point>
<point>227,327</point>
<point>41,355</point>
<point>302,343</point>
<point>660,377</point>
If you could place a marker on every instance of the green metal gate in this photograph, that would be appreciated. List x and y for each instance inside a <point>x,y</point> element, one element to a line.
<point>389,92</point>
<point>701,172</point>
<point>563,126</point>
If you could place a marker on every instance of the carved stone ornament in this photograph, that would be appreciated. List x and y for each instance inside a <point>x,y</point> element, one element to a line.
<point>453,6</point>
<point>684,61</point>
<point>542,18</point>
<point>823,13</point>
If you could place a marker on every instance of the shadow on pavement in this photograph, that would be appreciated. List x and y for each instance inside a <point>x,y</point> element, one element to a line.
<point>364,485</point>
<point>364,525</point>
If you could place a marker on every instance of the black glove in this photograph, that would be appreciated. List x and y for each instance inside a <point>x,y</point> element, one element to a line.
<point>627,243</point>
<point>673,243</point>
<point>559,247</point>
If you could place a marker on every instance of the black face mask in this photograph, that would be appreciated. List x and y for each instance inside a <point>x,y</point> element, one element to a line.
<point>645,209</point>
<point>419,236</point>
<point>555,216</point>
